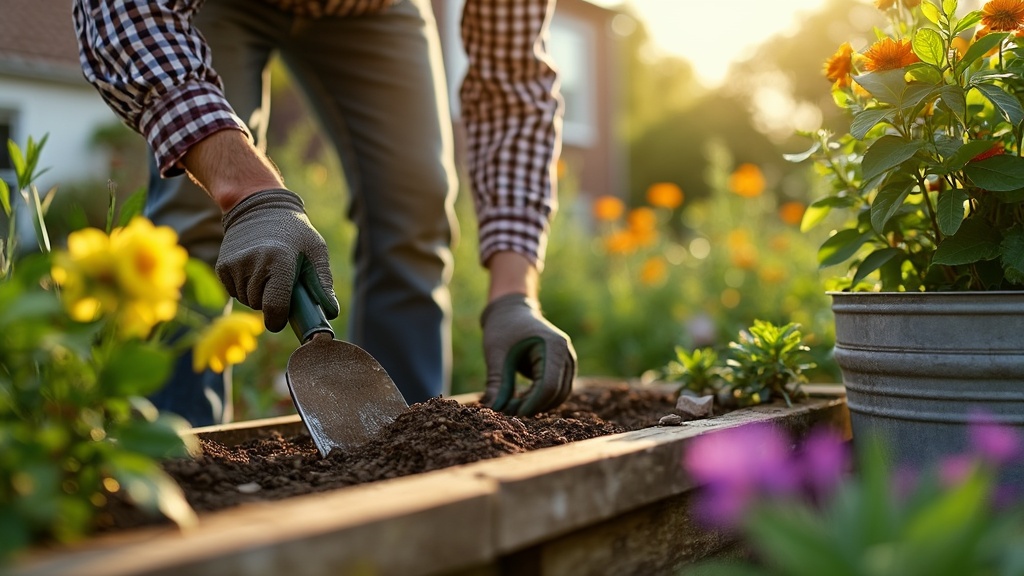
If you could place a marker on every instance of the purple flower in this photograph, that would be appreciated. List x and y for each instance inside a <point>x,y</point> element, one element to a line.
<point>737,465</point>
<point>954,470</point>
<point>825,460</point>
<point>996,443</point>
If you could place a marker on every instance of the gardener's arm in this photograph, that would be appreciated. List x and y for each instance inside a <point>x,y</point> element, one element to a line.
<point>153,70</point>
<point>511,110</point>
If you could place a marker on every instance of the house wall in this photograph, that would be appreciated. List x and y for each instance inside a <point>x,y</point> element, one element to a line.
<point>69,113</point>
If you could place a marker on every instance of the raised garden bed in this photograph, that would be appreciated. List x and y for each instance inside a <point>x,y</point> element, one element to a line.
<point>583,503</point>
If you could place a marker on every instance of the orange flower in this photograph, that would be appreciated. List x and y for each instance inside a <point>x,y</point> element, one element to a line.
<point>653,271</point>
<point>772,274</point>
<point>747,181</point>
<point>608,208</point>
<point>642,219</point>
<point>884,4</point>
<point>665,195</point>
<point>620,242</point>
<point>840,65</point>
<point>1003,14</point>
<point>792,213</point>
<point>889,54</point>
<point>911,3</point>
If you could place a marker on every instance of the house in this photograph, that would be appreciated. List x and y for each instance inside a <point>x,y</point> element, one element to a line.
<point>42,90</point>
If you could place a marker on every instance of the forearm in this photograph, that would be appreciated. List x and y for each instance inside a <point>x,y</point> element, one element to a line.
<point>511,273</point>
<point>230,168</point>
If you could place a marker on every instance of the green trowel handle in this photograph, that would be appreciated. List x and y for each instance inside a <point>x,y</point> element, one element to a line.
<point>305,316</point>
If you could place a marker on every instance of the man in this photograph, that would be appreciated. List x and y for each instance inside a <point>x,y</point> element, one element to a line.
<point>372,72</point>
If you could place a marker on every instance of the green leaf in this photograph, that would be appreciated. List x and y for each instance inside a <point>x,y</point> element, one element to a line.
<point>203,287</point>
<point>5,197</point>
<point>887,86</point>
<point>1012,256</point>
<point>979,48</point>
<point>930,11</point>
<point>17,161</point>
<point>817,211</point>
<point>1005,103</point>
<point>841,246</point>
<point>955,98</point>
<point>150,487</point>
<point>1002,173</point>
<point>158,439</point>
<point>950,210</point>
<point>886,203</point>
<point>801,156</point>
<point>792,538</point>
<point>887,153</point>
<point>968,21</point>
<point>132,207</point>
<point>976,241</point>
<point>868,119</point>
<point>949,8</point>
<point>928,46</point>
<point>967,152</point>
<point>873,262</point>
<point>136,369</point>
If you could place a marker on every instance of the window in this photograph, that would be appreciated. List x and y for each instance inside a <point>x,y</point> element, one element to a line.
<point>7,119</point>
<point>572,46</point>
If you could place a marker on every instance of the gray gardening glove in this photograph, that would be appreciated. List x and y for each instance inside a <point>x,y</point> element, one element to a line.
<point>268,246</point>
<point>517,338</point>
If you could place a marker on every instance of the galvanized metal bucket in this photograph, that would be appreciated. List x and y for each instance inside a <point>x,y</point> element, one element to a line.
<point>920,367</point>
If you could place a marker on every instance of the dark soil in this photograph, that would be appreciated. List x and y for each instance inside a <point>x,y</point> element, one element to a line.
<point>429,436</point>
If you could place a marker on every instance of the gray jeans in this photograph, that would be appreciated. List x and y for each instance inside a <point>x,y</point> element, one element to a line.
<point>376,84</point>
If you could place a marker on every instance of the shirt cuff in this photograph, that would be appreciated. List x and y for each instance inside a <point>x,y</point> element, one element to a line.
<point>505,229</point>
<point>179,119</point>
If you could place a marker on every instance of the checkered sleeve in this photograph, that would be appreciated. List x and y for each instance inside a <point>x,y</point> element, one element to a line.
<point>153,69</point>
<point>511,109</point>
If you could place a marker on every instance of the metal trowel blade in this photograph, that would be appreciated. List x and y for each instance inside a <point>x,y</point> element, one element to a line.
<point>342,393</point>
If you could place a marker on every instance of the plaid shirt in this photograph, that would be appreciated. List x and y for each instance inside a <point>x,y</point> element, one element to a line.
<point>154,71</point>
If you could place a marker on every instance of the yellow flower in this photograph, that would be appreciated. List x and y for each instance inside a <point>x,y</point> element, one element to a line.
<point>772,274</point>
<point>150,263</point>
<point>792,212</point>
<point>889,54</point>
<point>747,181</point>
<point>1003,14</point>
<point>608,208</point>
<point>839,66</point>
<point>665,195</point>
<point>226,341</point>
<point>86,274</point>
<point>653,271</point>
<point>133,276</point>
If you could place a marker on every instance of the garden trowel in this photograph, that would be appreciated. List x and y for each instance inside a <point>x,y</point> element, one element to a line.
<point>342,394</point>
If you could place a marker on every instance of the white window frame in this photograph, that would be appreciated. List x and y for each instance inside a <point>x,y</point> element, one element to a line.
<point>580,127</point>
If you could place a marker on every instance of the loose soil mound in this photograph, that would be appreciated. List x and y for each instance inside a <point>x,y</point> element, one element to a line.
<point>429,436</point>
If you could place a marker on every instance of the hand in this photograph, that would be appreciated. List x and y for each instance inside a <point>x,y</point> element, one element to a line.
<point>517,338</point>
<point>268,245</point>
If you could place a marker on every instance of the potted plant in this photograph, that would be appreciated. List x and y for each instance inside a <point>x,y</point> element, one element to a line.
<point>928,185</point>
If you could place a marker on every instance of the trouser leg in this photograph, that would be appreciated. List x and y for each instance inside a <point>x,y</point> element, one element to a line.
<point>237,33</point>
<point>377,85</point>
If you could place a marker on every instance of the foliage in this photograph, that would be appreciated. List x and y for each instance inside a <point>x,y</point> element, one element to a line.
<point>929,174</point>
<point>803,513</point>
<point>766,362</point>
<point>84,338</point>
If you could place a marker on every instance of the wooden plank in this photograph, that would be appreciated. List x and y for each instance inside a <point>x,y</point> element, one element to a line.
<point>417,525</point>
<point>430,523</point>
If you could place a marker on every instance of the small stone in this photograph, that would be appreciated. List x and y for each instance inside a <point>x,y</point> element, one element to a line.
<point>670,420</point>
<point>695,407</point>
<point>249,488</point>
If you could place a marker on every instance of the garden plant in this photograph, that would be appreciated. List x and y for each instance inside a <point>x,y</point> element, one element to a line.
<point>88,328</point>
<point>929,180</point>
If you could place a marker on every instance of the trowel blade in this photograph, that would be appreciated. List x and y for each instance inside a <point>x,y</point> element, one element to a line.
<point>342,393</point>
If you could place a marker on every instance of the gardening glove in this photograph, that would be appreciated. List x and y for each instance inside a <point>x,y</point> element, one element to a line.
<point>268,245</point>
<point>517,338</point>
